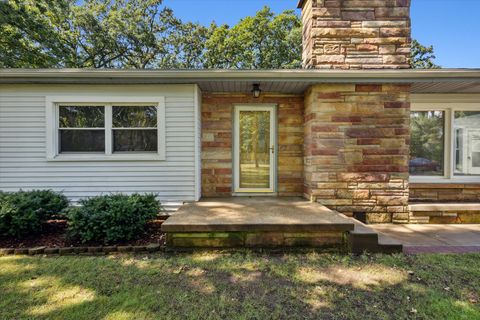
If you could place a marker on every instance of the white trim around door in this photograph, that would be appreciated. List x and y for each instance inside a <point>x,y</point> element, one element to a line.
<point>272,150</point>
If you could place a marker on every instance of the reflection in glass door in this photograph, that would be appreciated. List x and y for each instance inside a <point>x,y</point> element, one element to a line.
<point>254,149</point>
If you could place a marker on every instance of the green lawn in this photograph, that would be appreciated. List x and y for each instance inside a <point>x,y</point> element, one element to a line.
<point>241,285</point>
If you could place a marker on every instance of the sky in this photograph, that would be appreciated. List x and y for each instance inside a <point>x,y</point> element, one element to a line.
<point>451,26</point>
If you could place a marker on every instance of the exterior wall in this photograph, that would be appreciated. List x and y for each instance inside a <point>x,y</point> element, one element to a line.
<point>357,149</point>
<point>356,34</point>
<point>217,138</point>
<point>445,192</point>
<point>23,163</point>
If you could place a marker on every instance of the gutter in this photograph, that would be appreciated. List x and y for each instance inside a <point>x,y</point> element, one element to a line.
<point>15,76</point>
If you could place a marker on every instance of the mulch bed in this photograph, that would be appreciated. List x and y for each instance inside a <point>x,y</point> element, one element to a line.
<point>54,236</point>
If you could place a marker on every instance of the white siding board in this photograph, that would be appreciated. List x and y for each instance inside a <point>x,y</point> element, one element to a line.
<point>23,163</point>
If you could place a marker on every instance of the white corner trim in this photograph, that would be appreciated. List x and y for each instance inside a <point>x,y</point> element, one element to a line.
<point>51,115</point>
<point>198,142</point>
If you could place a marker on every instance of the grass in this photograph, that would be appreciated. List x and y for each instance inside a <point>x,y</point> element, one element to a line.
<point>241,285</point>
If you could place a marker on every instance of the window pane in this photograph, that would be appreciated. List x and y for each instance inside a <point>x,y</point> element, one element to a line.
<point>82,140</point>
<point>254,131</point>
<point>134,117</point>
<point>466,126</point>
<point>427,143</point>
<point>135,140</point>
<point>82,116</point>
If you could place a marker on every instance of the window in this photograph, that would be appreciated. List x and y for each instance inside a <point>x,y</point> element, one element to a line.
<point>100,130</point>
<point>81,129</point>
<point>445,142</point>
<point>426,144</point>
<point>466,125</point>
<point>134,128</point>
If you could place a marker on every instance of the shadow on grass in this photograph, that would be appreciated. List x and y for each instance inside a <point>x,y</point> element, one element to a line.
<point>240,285</point>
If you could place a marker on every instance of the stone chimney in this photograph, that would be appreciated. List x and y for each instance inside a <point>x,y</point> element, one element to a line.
<point>356,135</point>
<point>356,34</point>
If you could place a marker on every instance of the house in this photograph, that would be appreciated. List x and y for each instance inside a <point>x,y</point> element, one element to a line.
<point>337,132</point>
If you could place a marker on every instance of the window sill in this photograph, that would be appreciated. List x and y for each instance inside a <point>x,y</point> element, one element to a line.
<point>101,157</point>
<point>440,180</point>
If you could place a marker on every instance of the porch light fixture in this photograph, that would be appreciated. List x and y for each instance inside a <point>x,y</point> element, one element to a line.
<point>256,90</point>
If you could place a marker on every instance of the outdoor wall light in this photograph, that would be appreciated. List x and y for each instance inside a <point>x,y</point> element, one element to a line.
<point>256,90</point>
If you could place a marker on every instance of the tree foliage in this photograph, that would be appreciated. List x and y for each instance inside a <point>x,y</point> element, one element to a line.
<point>423,57</point>
<point>145,34</point>
<point>139,34</point>
<point>264,41</point>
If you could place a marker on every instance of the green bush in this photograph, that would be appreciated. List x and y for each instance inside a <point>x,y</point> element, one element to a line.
<point>112,218</point>
<point>24,212</point>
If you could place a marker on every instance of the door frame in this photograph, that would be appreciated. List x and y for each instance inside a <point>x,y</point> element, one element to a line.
<point>272,108</point>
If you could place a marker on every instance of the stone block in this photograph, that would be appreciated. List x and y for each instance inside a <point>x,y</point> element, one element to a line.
<point>361,194</point>
<point>392,200</point>
<point>6,251</point>
<point>335,202</point>
<point>51,250</point>
<point>65,251</point>
<point>373,218</point>
<point>124,248</point>
<point>20,251</point>
<point>264,239</point>
<point>79,250</point>
<point>362,177</point>
<point>37,250</point>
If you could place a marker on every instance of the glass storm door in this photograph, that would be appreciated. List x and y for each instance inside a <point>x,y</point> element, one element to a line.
<point>254,163</point>
<point>474,152</point>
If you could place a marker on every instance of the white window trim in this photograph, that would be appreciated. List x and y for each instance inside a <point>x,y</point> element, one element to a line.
<point>52,103</point>
<point>449,109</point>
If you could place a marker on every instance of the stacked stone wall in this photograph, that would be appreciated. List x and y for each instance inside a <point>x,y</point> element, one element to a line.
<point>356,34</point>
<point>357,149</point>
<point>445,192</point>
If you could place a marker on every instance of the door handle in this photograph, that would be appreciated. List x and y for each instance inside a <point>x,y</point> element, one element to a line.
<point>272,148</point>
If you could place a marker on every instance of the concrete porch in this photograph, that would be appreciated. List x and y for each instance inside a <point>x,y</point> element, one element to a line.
<point>266,222</point>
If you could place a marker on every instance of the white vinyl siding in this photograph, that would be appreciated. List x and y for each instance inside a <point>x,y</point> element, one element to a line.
<point>23,149</point>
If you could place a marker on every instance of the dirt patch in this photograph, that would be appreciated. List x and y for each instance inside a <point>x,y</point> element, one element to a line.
<point>55,235</point>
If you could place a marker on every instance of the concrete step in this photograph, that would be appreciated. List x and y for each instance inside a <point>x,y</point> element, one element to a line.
<point>256,222</point>
<point>363,238</point>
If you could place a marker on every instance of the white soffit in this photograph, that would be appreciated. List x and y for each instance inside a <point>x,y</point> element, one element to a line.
<point>281,81</point>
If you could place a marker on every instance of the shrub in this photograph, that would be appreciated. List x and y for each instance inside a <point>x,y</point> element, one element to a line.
<point>112,218</point>
<point>24,212</point>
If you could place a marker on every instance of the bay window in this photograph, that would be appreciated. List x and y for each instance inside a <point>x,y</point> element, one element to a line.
<point>445,142</point>
<point>94,129</point>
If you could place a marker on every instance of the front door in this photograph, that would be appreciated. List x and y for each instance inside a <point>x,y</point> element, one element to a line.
<point>254,149</point>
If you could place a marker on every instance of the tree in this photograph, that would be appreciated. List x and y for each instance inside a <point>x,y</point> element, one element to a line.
<point>263,41</point>
<point>144,34</point>
<point>29,34</point>
<point>92,34</point>
<point>422,57</point>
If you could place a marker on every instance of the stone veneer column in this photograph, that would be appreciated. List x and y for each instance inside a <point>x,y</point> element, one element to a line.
<point>356,34</point>
<point>357,149</point>
<point>357,135</point>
